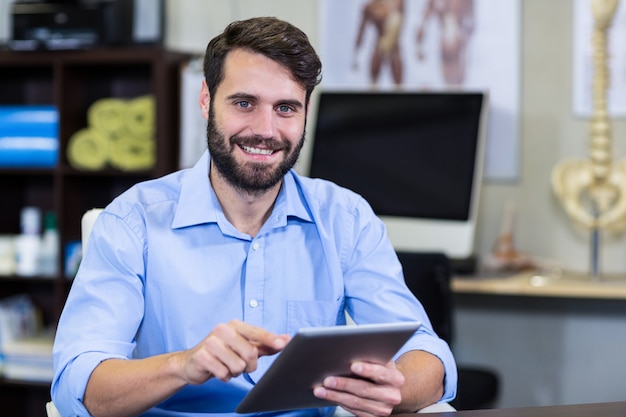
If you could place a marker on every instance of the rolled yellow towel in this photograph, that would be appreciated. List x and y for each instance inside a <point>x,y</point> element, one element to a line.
<point>130,153</point>
<point>88,149</point>
<point>140,116</point>
<point>108,115</point>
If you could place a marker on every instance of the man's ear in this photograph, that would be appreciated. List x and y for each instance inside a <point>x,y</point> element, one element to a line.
<point>204,100</point>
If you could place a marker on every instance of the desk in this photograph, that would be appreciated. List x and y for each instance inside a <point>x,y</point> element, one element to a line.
<point>612,409</point>
<point>571,285</point>
<point>552,343</point>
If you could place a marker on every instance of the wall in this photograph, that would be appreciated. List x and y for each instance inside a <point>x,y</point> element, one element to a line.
<point>547,351</point>
<point>549,131</point>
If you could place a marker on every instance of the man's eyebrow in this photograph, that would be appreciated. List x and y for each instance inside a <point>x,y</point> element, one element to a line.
<point>294,103</point>
<point>242,96</point>
<point>251,97</point>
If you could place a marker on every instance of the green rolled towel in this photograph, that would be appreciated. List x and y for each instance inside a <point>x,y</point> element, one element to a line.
<point>140,116</point>
<point>108,115</point>
<point>130,153</point>
<point>88,149</point>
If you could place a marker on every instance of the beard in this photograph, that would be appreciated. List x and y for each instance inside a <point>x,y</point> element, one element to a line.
<point>250,177</point>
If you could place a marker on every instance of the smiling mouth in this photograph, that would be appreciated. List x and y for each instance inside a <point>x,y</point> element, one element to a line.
<point>256,151</point>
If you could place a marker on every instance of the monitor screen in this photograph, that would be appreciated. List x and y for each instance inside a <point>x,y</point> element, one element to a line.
<point>416,157</point>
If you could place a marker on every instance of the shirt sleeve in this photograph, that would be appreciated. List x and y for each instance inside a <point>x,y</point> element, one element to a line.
<point>376,290</point>
<point>95,326</point>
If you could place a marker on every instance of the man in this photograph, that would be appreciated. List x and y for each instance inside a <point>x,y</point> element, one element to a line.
<point>190,283</point>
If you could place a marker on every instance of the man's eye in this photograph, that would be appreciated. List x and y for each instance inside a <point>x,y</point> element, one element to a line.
<point>243,104</point>
<point>284,108</point>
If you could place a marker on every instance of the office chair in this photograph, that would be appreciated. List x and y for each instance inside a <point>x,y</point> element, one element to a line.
<point>428,276</point>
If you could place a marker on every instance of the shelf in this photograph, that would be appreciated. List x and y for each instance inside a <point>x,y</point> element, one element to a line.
<point>23,383</point>
<point>106,172</point>
<point>25,171</point>
<point>19,280</point>
<point>72,81</point>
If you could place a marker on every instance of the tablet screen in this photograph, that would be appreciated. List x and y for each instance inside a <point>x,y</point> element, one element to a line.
<point>317,352</point>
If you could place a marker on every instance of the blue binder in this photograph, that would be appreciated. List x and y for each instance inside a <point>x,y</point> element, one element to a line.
<point>29,136</point>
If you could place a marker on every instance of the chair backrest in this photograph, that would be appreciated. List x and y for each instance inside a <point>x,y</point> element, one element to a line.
<point>428,276</point>
<point>86,223</point>
<point>51,410</point>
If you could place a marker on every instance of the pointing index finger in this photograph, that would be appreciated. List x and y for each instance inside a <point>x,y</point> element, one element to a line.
<point>267,342</point>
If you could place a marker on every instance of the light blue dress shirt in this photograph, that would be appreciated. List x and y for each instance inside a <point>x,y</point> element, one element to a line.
<point>163,266</point>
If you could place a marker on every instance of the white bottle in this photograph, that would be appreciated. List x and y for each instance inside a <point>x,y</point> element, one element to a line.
<point>49,249</point>
<point>7,255</point>
<point>27,244</point>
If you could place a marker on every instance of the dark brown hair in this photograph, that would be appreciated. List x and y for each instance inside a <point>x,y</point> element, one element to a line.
<point>277,40</point>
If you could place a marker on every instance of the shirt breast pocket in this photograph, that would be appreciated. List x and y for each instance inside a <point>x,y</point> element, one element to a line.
<point>314,314</point>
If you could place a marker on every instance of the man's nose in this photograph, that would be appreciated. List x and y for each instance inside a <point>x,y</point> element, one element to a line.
<point>265,123</point>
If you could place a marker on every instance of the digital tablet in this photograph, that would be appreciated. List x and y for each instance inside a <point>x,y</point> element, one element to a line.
<point>317,352</point>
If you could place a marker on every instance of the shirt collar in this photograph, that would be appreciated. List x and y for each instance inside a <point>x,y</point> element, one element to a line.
<point>198,203</point>
<point>290,201</point>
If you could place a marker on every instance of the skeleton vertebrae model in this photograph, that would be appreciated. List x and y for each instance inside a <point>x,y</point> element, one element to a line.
<point>593,191</point>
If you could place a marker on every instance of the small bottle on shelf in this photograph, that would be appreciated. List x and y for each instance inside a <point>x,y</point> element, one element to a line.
<point>28,243</point>
<point>49,249</point>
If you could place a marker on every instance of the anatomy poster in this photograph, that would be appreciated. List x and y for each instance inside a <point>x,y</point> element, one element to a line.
<point>432,45</point>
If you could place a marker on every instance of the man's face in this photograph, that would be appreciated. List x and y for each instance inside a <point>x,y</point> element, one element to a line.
<point>256,122</point>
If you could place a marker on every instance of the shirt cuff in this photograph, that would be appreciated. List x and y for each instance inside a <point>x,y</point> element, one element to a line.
<point>440,349</point>
<point>68,391</point>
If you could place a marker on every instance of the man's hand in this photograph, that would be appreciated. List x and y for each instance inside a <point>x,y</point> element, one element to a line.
<point>130,387</point>
<point>375,391</point>
<point>228,351</point>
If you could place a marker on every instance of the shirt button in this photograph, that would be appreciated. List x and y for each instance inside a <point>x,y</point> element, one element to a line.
<point>255,246</point>
<point>254,303</point>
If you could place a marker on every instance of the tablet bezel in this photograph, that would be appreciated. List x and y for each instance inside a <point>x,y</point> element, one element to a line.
<point>317,352</point>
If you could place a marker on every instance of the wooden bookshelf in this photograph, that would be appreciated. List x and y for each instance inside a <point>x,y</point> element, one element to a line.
<point>72,81</point>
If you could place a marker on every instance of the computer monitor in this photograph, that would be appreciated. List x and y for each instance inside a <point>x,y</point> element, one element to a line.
<point>416,157</point>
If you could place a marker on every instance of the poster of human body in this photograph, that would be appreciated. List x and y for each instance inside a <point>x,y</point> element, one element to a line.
<point>432,45</point>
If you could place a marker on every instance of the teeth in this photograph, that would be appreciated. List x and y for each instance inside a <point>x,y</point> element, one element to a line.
<point>257,151</point>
